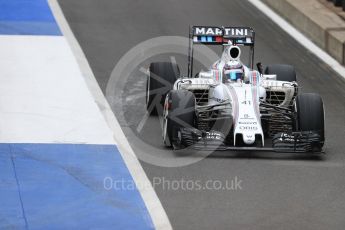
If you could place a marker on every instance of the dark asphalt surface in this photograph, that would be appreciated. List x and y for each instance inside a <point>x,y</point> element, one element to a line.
<point>278,191</point>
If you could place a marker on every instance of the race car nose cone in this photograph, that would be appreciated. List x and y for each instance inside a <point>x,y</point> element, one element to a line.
<point>248,139</point>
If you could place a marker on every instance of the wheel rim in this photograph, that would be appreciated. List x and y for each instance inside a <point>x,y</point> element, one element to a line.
<point>165,131</point>
<point>165,126</point>
<point>148,91</point>
<point>296,123</point>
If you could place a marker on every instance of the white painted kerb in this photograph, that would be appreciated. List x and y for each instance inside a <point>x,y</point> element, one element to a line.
<point>43,97</point>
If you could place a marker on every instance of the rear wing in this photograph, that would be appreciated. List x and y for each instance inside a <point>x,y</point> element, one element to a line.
<point>213,35</point>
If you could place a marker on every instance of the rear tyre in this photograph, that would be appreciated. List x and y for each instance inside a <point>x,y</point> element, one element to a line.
<point>283,72</point>
<point>160,81</point>
<point>179,112</point>
<point>310,115</point>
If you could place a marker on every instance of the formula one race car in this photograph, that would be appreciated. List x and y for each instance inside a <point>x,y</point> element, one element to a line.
<point>232,106</point>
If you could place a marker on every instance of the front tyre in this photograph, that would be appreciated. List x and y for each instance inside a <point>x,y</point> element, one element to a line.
<point>179,112</point>
<point>160,81</point>
<point>310,115</point>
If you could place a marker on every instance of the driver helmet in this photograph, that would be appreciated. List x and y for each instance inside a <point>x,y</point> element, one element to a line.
<point>233,72</point>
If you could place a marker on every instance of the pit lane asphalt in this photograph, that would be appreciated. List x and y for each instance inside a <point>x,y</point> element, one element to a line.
<point>278,191</point>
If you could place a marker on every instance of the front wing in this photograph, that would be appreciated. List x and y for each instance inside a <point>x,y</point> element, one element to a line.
<point>295,142</point>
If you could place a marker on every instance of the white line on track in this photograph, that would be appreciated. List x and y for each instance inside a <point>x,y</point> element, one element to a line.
<point>299,37</point>
<point>152,202</point>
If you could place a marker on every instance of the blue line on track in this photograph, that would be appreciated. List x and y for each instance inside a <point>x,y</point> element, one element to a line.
<point>27,17</point>
<point>19,194</point>
<point>62,187</point>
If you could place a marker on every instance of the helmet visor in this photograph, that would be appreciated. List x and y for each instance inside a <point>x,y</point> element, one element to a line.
<point>234,75</point>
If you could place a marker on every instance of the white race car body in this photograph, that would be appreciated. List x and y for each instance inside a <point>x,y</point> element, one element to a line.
<point>244,99</point>
<point>234,107</point>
